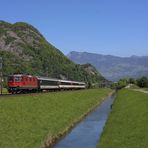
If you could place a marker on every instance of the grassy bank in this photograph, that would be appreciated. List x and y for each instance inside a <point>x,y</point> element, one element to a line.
<point>27,121</point>
<point>4,91</point>
<point>127,126</point>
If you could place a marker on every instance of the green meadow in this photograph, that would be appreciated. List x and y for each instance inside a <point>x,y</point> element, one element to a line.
<point>5,91</point>
<point>29,121</point>
<point>127,126</point>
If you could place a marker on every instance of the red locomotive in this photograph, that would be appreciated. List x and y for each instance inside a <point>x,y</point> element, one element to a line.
<point>22,83</point>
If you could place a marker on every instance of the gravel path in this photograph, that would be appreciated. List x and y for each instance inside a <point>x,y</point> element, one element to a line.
<point>141,90</point>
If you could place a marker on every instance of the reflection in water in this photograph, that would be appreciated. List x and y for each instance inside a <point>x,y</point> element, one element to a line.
<point>87,133</point>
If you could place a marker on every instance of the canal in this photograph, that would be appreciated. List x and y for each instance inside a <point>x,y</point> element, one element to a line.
<point>86,134</point>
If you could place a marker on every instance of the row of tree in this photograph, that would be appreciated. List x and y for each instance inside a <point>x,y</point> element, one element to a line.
<point>141,82</point>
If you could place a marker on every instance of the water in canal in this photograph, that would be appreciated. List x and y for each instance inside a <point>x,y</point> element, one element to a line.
<point>87,133</point>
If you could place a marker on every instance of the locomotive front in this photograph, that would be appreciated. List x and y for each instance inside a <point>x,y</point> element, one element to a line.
<point>20,83</point>
<point>14,83</point>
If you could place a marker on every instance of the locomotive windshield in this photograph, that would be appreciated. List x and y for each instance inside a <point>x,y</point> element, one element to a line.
<point>17,79</point>
<point>14,79</point>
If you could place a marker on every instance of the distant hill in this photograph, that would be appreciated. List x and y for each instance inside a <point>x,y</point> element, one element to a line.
<point>25,50</point>
<point>113,67</point>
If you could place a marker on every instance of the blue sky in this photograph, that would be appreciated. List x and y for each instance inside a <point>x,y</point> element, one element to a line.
<point>116,27</point>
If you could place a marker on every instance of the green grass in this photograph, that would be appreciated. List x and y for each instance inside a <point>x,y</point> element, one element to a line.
<point>127,126</point>
<point>4,91</point>
<point>27,121</point>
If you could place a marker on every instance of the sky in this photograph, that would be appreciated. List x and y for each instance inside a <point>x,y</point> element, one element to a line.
<point>110,27</point>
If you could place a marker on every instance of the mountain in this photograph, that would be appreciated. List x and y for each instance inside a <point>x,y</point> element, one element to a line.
<point>113,67</point>
<point>25,50</point>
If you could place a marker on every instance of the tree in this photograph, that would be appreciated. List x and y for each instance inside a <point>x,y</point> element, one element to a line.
<point>142,82</point>
<point>132,81</point>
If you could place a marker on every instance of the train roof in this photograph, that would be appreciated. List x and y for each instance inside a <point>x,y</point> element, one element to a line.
<point>13,75</point>
<point>20,75</point>
<point>71,81</point>
<point>46,78</point>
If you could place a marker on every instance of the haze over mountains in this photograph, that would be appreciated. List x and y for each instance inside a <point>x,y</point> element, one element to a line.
<point>113,67</point>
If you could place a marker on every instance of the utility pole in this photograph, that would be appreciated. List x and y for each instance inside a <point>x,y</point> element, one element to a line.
<point>1,74</point>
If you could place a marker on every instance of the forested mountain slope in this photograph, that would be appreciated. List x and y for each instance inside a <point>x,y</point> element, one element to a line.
<point>25,50</point>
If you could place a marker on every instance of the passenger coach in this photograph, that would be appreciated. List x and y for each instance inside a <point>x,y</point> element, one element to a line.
<point>48,83</point>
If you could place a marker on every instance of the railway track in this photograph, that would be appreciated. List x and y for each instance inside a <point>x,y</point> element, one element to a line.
<point>32,94</point>
<point>14,95</point>
<point>23,94</point>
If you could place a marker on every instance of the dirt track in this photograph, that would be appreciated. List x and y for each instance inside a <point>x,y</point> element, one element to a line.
<point>141,90</point>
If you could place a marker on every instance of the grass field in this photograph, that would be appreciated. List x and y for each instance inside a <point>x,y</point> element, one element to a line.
<point>127,126</point>
<point>27,121</point>
<point>4,91</point>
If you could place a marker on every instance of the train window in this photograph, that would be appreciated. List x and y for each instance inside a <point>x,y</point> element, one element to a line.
<point>76,83</point>
<point>48,82</point>
<point>66,83</point>
<point>17,79</point>
<point>30,79</point>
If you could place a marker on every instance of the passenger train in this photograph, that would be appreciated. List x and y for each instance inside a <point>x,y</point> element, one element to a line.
<point>21,83</point>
